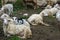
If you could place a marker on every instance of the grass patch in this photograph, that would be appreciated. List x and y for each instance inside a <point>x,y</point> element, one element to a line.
<point>18,5</point>
<point>39,10</point>
<point>14,38</point>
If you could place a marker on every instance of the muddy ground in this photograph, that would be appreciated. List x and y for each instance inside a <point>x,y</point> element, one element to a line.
<point>40,32</point>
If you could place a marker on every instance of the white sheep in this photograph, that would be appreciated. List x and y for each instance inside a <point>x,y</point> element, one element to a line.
<point>57,6</point>
<point>46,12</point>
<point>40,2</point>
<point>22,31</point>
<point>5,22</point>
<point>51,11</point>
<point>36,18</point>
<point>58,15</point>
<point>8,8</point>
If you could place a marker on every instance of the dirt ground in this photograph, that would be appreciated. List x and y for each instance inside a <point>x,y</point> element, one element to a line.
<point>41,32</point>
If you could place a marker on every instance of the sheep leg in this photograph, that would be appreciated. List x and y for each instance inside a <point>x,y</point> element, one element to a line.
<point>25,33</point>
<point>33,22</point>
<point>29,33</point>
<point>11,10</point>
<point>4,29</point>
<point>44,23</point>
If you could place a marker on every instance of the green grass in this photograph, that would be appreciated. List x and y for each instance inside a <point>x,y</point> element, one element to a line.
<point>14,38</point>
<point>39,10</point>
<point>18,5</point>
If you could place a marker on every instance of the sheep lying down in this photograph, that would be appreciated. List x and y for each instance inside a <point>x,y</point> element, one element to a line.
<point>45,11</point>
<point>36,19</point>
<point>21,30</point>
<point>53,11</point>
<point>50,12</point>
<point>10,28</point>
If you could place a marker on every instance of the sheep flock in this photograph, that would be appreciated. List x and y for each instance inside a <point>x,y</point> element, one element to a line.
<point>22,27</point>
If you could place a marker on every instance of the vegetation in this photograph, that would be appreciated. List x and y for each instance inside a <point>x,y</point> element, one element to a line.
<point>14,38</point>
<point>18,5</point>
<point>0,3</point>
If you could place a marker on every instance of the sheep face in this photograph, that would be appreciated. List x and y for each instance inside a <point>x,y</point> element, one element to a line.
<point>14,18</point>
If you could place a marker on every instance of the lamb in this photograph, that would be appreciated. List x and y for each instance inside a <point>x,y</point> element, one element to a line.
<point>58,15</point>
<point>21,30</point>
<point>7,8</point>
<point>24,21</point>
<point>15,20</point>
<point>36,18</point>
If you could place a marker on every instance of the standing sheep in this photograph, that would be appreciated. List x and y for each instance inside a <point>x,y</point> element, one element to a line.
<point>7,8</point>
